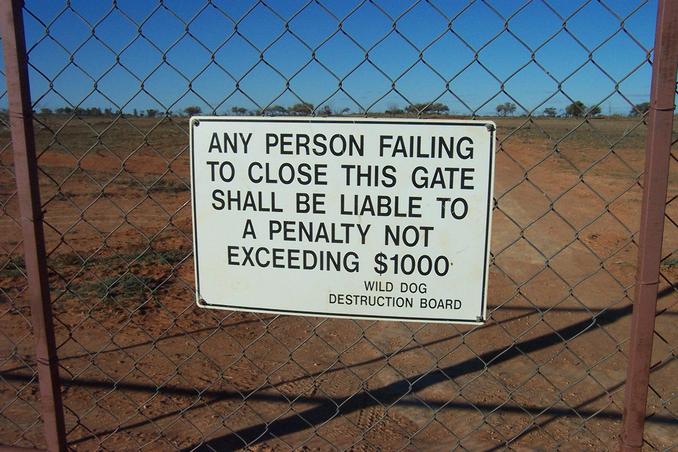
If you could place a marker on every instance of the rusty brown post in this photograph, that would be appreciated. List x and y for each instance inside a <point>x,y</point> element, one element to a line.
<point>28,192</point>
<point>657,154</point>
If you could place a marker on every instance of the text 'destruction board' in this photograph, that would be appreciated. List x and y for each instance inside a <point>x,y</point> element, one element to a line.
<point>361,218</point>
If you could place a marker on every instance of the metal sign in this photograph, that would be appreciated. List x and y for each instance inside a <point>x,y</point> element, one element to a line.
<point>361,218</point>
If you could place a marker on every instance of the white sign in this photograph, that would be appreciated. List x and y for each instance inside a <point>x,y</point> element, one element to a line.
<point>362,218</point>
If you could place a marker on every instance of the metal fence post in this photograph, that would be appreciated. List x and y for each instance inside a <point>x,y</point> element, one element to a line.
<point>26,169</point>
<point>658,149</point>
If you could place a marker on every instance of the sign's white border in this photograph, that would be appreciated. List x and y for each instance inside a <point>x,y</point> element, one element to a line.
<point>489,125</point>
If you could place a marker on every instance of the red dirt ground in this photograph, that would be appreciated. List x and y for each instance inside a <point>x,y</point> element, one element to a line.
<point>144,368</point>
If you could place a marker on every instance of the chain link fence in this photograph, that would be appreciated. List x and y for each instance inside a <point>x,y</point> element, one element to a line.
<point>142,367</point>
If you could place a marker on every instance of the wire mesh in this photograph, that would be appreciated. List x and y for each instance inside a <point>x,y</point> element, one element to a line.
<point>143,367</point>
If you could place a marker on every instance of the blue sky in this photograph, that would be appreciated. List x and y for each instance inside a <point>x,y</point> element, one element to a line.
<point>167,48</point>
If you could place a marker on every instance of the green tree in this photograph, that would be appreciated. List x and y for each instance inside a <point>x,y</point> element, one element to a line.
<point>277,110</point>
<point>576,109</point>
<point>393,110</point>
<point>507,108</point>
<point>594,111</point>
<point>325,110</point>
<point>436,108</point>
<point>301,108</point>
<point>45,111</point>
<point>151,113</point>
<point>550,112</point>
<point>193,110</point>
<point>639,109</point>
<point>238,111</point>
